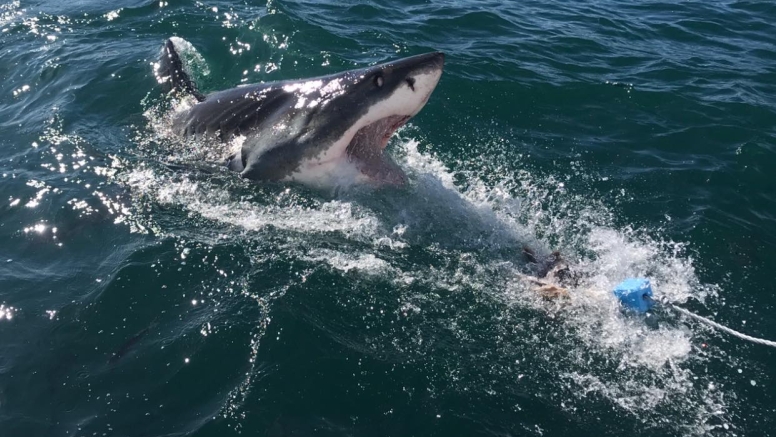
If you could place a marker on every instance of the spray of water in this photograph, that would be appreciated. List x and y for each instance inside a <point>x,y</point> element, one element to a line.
<point>469,236</point>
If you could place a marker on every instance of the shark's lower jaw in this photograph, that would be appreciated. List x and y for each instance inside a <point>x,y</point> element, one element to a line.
<point>365,151</point>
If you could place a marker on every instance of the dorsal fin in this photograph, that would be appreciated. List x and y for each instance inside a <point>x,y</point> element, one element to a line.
<point>172,75</point>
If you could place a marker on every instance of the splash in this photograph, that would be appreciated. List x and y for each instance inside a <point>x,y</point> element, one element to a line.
<point>470,226</point>
<point>644,369</point>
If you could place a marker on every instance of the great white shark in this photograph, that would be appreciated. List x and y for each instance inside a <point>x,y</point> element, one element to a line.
<point>312,131</point>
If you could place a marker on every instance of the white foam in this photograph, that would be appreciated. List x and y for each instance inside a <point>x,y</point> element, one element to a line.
<point>361,262</point>
<point>597,328</point>
<point>217,204</point>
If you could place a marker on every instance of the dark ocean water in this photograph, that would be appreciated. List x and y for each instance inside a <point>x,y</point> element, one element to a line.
<point>146,293</point>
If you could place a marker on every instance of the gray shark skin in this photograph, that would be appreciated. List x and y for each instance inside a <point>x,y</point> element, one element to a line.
<point>315,131</point>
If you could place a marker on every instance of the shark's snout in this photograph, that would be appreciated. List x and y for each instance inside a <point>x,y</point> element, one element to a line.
<point>437,60</point>
<point>424,76</point>
<point>421,63</point>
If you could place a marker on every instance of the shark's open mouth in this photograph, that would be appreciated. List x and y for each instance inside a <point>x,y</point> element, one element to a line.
<point>366,150</point>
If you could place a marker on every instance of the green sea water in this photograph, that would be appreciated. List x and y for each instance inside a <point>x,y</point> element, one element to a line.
<point>144,291</point>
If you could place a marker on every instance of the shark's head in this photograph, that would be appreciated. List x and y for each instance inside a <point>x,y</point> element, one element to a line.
<point>323,130</point>
<point>368,106</point>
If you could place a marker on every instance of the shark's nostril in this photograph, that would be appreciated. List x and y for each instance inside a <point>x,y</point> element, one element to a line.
<point>411,83</point>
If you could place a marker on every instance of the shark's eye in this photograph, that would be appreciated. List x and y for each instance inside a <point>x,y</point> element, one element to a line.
<point>379,81</point>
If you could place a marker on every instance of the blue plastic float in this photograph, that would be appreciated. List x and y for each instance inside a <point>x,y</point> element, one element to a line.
<point>635,294</point>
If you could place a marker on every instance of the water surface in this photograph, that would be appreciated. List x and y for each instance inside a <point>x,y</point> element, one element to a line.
<point>145,292</point>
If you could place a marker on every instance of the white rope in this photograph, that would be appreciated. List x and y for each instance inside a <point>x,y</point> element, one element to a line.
<point>724,328</point>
